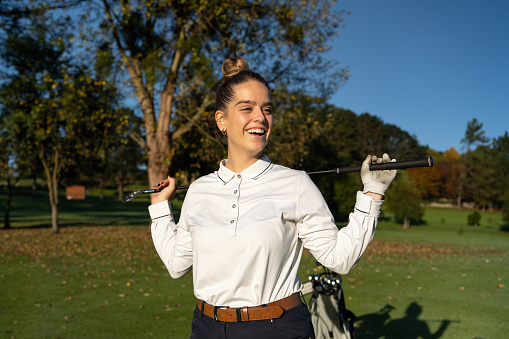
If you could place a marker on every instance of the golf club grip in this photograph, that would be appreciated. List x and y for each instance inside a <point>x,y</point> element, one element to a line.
<point>425,162</point>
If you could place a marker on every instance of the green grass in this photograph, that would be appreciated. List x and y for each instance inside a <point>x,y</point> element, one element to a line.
<point>29,211</point>
<point>89,282</point>
<point>104,279</point>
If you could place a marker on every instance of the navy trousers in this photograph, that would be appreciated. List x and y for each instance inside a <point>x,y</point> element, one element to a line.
<point>294,324</point>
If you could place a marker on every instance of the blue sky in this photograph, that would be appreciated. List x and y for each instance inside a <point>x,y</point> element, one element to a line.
<point>428,67</point>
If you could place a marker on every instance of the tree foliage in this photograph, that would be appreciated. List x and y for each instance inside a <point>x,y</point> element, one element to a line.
<point>171,52</point>
<point>474,218</point>
<point>474,134</point>
<point>53,108</point>
<point>404,201</point>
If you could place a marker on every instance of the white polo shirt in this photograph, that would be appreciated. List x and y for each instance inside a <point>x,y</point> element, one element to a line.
<point>243,233</point>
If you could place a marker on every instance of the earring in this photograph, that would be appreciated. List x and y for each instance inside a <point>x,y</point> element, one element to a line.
<point>224,132</point>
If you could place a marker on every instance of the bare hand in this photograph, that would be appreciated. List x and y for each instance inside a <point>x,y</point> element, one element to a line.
<point>169,189</point>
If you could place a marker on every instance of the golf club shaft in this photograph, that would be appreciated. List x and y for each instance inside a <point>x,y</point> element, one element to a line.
<point>425,162</point>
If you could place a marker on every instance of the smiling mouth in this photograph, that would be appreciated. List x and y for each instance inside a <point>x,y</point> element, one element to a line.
<point>256,131</point>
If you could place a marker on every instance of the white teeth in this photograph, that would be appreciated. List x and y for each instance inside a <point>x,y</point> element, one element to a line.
<point>256,131</point>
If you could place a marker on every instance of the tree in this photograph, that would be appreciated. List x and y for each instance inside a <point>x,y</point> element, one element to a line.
<point>449,168</point>
<point>377,137</point>
<point>336,146</point>
<point>404,201</point>
<point>500,149</point>
<point>119,159</point>
<point>505,207</point>
<point>474,218</point>
<point>14,11</point>
<point>427,182</point>
<point>58,111</point>
<point>473,135</point>
<point>7,173</point>
<point>15,160</point>
<point>171,50</point>
<point>483,177</point>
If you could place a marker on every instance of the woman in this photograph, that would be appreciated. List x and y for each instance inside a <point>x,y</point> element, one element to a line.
<point>242,228</point>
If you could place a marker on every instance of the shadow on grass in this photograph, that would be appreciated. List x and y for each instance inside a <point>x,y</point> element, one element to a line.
<point>380,324</point>
<point>504,228</point>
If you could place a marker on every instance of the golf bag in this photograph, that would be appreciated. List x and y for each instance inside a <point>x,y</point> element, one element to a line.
<point>330,318</point>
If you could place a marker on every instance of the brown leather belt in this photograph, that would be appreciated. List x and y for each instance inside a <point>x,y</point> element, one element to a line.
<point>272,310</point>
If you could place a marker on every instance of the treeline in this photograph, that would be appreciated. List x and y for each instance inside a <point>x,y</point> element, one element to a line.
<point>477,176</point>
<point>85,59</point>
<point>69,68</point>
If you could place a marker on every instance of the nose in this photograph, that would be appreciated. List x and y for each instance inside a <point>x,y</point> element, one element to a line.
<point>259,114</point>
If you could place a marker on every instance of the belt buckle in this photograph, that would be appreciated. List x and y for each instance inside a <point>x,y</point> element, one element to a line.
<point>221,308</point>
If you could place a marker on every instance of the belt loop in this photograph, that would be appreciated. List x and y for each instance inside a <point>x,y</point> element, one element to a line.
<point>239,316</point>
<point>201,309</point>
<point>245,313</point>
<point>215,313</point>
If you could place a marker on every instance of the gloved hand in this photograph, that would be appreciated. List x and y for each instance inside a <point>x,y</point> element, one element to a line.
<point>376,181</point>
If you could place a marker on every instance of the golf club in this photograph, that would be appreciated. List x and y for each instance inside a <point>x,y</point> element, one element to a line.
<point>424,162</point>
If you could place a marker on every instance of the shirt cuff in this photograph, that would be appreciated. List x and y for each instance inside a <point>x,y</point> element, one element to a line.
<point>367,205</point>
<point>160,210</point>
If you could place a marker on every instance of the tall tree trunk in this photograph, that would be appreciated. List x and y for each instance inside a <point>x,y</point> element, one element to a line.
<point>52,175</point>
<point>53,198</point>
<point>120,182</point>
<point>101,187</point>
<point>34,183</point>
<point>158,140</point>
<point>55,227</point>
<point>406,223</point>
<point>157,171</point>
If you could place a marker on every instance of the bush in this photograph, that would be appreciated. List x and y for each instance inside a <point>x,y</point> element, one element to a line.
<point>474,218</point>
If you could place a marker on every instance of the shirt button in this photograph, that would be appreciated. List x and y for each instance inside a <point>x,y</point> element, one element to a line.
<point>238,175</point>
<point>235,192</point>
<point>232,221</point>
<point>234,205</point>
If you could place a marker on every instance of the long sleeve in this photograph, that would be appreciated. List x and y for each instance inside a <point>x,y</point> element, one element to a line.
<point>172,242</point>
<point>338,250</point>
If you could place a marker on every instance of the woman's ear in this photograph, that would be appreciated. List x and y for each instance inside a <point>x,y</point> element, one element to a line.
<point>220,117</point>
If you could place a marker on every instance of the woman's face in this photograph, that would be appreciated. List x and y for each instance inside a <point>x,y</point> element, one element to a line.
<point>247,120</point>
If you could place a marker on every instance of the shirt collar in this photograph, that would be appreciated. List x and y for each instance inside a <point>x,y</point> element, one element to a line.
<point>254,171</point>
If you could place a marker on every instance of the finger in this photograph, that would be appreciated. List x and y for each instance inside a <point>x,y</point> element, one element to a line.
<point>171,181</point>
<point>366,162</point>
<point>379,160</point>
<point>162,184</point>
<point>374,159</point>
<point>386,158</point>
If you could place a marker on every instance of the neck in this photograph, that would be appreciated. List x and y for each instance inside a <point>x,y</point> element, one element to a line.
<point>238,163</point>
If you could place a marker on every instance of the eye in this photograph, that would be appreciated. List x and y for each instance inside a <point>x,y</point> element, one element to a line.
<point>267,110</point>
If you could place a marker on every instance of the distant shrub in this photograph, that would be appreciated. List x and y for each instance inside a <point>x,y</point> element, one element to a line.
<point>474,218</point>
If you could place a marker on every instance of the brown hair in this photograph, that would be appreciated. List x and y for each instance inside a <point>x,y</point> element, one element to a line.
<point>235,72</point>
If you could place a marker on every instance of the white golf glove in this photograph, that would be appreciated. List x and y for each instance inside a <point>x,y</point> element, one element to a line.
<point>376,181</point>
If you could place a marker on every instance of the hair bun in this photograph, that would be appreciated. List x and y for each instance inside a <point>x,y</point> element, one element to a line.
<point>232,66</point>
